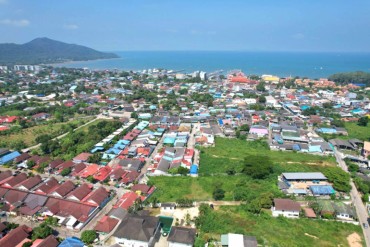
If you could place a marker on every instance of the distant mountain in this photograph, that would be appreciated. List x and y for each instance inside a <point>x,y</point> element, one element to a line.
<point>44,50</point>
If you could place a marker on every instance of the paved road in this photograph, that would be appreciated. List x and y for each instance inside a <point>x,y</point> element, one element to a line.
<point>191,143</point>
<point>150,158</point>
<point>356,198</point>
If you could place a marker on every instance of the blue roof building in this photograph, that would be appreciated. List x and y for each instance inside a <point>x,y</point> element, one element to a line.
<point>322,189</point>
<point>194,169</point>
<point>72,242</point>
<point>9,157</point>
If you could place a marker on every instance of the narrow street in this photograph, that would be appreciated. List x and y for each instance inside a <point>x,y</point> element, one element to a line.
<point>357,202</point>
<point>62,135</point>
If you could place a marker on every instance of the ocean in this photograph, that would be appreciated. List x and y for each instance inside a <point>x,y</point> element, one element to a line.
<point>283,64</point>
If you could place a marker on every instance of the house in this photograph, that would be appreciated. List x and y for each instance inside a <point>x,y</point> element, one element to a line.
<point>82,157</point>
<point>30,183</point>
<point>47,187</point>
<point>73,215</point>
<point>40,116</point>
<point>22,158</point>
<point>5,175</point>
<point>116,174</point>
<point>17,237</point>
<point>366,150</point>
<point>142,189</point>
<point>8,157</point>
<point>78,168</point>
<point>98,197</point>
<point>138,231</point>
<point>55,163</point>
<point>181,237</point>
<point>103,173</point>
<point>106,224</point>
<point>238,240</point>
<point>80,192</point>
<point>15,180</point>
<point>89,171</point>
<point>304,183</point>
<point>32,204</point>
<point>127,200</point>
<point>72,242</point>
<point>62,190</point>
<point>286,207</point>
<point>13,199</point>
<point>49,241</point>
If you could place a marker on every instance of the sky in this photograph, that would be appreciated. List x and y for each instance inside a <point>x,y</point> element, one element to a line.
<point>225,25</point>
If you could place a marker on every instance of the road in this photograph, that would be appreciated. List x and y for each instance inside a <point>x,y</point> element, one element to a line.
<point>362,213</point>
<point>150,158</point>
<point>191,143</point>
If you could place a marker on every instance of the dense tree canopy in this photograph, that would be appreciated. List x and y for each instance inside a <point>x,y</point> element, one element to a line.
<point>258,167</point>
<point>351,77</point>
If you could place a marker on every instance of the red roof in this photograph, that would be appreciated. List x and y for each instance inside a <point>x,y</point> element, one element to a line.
<point>3,128</point>
<point>89,171</point>
<point>8,119</point>
<point>82,157</point>
<point>127,200</point>
<point>103,173</point>
<point>106,224</point>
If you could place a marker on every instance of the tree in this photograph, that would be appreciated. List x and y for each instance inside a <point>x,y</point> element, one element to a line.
<point>337,123</point>
<point>262,99</point>
<point>258,167</point>
<point>261,86</point>
<point>362,121</point>
<point>95,158</point>
<point>66,171</point>
<point>218,194</point>
<point>184,203</point>
<point>51,221</point>
<point>254,206</point>
<point>27,244</point>
<point>91,179</point>
<point>30,164</point>
<point>230,171</point>
<point>183,91</point>
<point>42,231</point>
<point>134,115</point>
<point>244,127</point>
<point>88,236</point>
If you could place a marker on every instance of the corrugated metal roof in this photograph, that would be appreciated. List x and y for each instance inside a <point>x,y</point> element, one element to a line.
<point>303,175</point>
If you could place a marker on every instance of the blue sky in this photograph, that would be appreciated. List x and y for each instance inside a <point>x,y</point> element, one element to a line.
<point>253,25</point>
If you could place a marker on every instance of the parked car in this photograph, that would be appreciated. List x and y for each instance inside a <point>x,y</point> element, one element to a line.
<point>365,225</point>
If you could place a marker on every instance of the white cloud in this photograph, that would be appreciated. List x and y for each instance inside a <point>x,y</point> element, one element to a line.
<point>15,23</point>
<point>70,26</point>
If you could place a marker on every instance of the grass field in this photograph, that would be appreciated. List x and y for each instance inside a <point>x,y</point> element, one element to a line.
<point>30,134</point>
<point>230,153</point>
<point>355,131</point>
<point>271,231</point>
<point>169,189</point>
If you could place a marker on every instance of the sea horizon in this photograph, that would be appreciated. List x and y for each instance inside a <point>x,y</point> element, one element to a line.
<point>310,64</point>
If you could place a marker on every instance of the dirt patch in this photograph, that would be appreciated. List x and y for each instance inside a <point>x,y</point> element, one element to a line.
<point>354,240</point>
<point>312,236</point>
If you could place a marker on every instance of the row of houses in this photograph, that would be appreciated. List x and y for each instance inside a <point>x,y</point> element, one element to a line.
<point>74,205</point>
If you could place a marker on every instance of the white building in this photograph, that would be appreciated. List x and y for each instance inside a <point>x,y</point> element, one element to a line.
<point>286,208</point>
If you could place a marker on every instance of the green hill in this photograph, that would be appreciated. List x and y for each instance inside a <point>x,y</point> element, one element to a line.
<point>44,50</point>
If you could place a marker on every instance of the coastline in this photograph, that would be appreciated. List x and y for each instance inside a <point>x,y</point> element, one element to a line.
<point>79,61</point>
